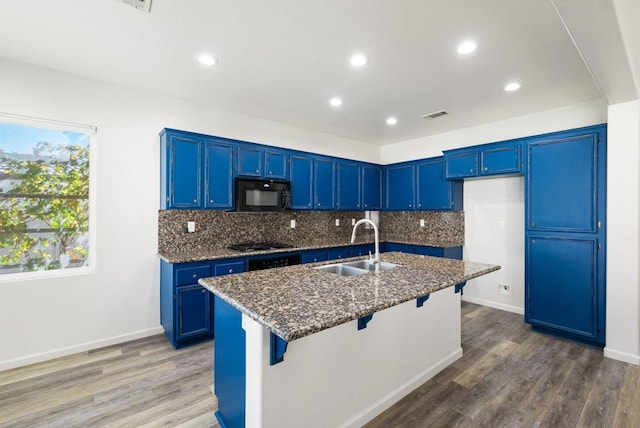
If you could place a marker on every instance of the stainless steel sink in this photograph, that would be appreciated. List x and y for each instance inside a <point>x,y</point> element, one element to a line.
<point>356,268</point>
<point>342,270</point>
<point>365,264</point>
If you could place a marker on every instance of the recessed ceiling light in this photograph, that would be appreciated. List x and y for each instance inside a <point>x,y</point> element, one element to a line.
<point>513,86</point>
<point>392,121</point>
<point>467,47</point>
<point>336,102</point>
<point>207,59</point>
<point>358,60</point>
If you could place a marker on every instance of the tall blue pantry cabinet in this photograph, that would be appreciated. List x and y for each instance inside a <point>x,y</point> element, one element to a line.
<point>565,233</point>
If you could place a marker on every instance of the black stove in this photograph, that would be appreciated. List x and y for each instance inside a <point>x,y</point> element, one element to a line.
<point>258,246</point>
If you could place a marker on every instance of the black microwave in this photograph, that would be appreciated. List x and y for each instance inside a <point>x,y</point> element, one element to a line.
<point>254,194</point>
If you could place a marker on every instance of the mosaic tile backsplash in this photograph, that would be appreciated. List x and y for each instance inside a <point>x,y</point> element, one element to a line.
<point>218,229</point>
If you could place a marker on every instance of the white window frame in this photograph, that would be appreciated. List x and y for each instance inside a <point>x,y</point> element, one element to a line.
<point>91,131</point>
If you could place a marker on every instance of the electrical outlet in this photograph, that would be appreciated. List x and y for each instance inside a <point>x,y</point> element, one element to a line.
<point>293,223</point>
<point>337,222</point>
<point>421,222</point>
<point>353,222</point>
<point>504,289</point>
<point>191,226</point>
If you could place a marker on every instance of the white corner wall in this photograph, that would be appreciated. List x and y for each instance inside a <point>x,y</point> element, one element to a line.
<point>623,233</point>
<point>44,319</point>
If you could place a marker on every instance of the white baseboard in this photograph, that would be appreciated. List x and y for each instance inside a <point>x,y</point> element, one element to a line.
<point>491,304</point>
<point>395,396</point>
<point>82,347</point>
<point>622,356</point>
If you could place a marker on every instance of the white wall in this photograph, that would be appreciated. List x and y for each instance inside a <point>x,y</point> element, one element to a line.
<point>47,318</point>
<point>623,233</point>
<point>494,233</point>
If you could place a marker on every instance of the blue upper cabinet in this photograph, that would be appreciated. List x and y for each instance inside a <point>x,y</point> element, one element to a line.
<point>461,165</point>
<point>219,175</point>
<point>301,182</point>
<point>181,171</point>
<point>324,178</point>
<point>349,185</point>
<point>400,185</point>
<point>562,184</point>
<point>276,164</point>
<point>371,187</point>
<point>484,160</point>
<point>434,192</point>
<point>250,161</point>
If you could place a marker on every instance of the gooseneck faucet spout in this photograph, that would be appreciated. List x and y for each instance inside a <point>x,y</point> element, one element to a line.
<point>376,258</point>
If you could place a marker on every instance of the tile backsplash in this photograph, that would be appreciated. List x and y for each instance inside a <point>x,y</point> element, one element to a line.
<point>218,229</point>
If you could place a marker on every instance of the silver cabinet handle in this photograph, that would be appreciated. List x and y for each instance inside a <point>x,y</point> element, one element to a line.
<point>270,172</point>
<point>230,270</point>
<point>203,291</point>
<point>210,201</point>
<point>486,168</point>
<point>195,201</point>
<point>195,275</point>
<point>471,170</point>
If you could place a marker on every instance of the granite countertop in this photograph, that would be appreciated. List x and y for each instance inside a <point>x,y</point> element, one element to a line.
<point>296,301</point>
<point>203,254</point>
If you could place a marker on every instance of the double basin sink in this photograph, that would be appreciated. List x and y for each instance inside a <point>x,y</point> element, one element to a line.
<point>359,267</point>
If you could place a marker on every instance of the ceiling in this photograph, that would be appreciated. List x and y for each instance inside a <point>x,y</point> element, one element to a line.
<point>284,59</point>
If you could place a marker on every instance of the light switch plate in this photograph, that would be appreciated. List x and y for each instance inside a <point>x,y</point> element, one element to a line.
<point>191,226</point>
<point>337,222</point>
<point>421,222</point>
<point>293,223</point>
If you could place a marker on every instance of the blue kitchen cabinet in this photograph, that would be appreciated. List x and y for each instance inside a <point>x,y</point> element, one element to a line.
<point>400,184</point>
<point>484,160</point>
<point>349,186</point>
<point>250,161</point>
<point>434,192</point>
<point>219,175</point>
<point>301,182</point>
<point>276,164</point>
<point>186,308</point>
<point>338,253</point>
<point>501,159</point>
<point>565,253</point>
<point>181,170</point>
<point>562,293</point>
<point>461,164</point>
<point>425,250</point>
<point>362,250</point>
<point>325,184</point>
<point>313,256</point>
<point>371,187</point>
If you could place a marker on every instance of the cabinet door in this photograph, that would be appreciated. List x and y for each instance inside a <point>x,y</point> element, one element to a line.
<point>301,182</point>
<point>371,187</point>
<point>195,311</point>
<point>461,165</point>
<point>561,292</point>
<point>400,187</point>
<point>229,268</point>
<point>562,184</point>
<point>313,256</point>
<point>250,161</point>
<point>185,172</point>
<point>434,191</point>
<point>219,175</point>
<point>338,253</point>
<point>325,172</point>
<point>500,160</point>
<point>349,186</point>
<point>276,163</point>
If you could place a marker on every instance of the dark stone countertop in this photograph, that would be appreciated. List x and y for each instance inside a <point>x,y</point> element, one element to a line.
<point>297,301</point>
<point>204,254</point>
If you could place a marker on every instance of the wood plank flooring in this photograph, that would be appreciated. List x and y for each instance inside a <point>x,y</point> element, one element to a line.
<point>509,376</point>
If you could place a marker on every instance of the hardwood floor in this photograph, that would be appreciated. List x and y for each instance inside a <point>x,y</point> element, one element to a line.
<point>509,376</point>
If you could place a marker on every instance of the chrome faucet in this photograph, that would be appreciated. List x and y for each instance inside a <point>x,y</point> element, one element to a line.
<point>376,258</point>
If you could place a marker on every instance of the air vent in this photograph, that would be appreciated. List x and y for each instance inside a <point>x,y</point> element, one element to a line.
<point>139,4</point>
<point>434,114</point>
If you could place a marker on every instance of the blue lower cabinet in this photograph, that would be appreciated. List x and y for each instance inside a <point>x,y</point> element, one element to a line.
<point>562,293</point>
<point>338,253</point>
<point>194,311</point>
<point>313,256</point>
<point>362,250</point>
<point>425,250</point>
<point>229,362</point>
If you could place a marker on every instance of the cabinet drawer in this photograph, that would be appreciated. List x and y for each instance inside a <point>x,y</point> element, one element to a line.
<point>315,256</point>
<point>338,253</point>
<point>191,275</point>
<point>229,268</point>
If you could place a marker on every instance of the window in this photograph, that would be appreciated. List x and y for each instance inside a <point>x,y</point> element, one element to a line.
<point>44,196</point>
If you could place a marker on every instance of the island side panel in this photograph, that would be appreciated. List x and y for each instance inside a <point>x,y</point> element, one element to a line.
<point>344,377</point>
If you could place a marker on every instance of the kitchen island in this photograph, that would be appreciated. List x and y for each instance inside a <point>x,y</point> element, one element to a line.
<point>298,346</point>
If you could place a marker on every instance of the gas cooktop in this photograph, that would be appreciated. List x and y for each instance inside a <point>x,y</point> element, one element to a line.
<point>258,246</point>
